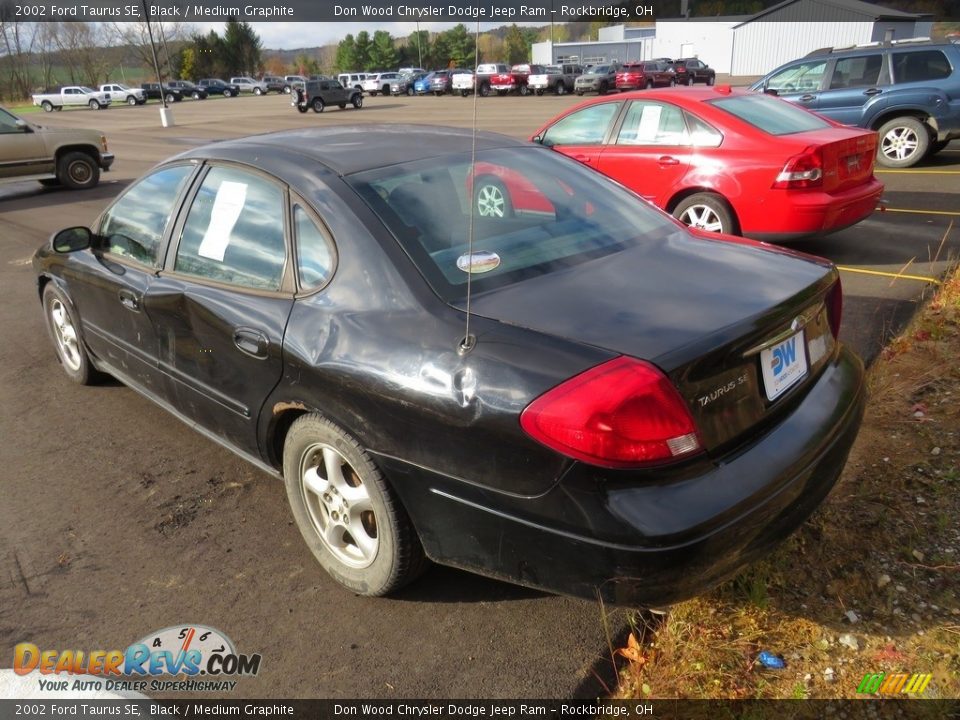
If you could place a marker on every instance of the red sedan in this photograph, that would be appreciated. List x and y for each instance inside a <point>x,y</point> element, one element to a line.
<point>726,161</point>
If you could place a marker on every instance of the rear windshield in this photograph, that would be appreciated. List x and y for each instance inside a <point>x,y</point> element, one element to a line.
<point>773,116</point>
<point>538,211</point>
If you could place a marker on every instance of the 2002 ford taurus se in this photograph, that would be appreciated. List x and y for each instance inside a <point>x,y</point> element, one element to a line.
<point>634,408</point>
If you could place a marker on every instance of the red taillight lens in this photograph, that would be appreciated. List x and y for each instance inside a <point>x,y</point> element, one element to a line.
<point>835,308</point>
<point>623,413</point>
<point>801,171</point>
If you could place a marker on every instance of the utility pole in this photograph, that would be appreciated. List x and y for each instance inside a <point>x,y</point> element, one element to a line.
<point>166,114</point>
<point>419,51</point>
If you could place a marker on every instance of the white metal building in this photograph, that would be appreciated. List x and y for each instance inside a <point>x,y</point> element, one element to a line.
<point>794,28</point>
<point>746,45</point>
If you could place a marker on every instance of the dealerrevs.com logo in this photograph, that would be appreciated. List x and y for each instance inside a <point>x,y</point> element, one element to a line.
<point>193,651</point>
<point>891,684</point>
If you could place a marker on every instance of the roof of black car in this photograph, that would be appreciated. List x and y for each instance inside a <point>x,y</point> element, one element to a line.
<point>347,149</point>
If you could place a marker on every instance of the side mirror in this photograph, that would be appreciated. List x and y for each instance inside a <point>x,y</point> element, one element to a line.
<point>23,126</point>
<point>538,139</point>
<point>72,239</point>
<point>770,91</point>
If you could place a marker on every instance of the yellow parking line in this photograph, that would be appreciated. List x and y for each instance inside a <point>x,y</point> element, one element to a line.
<point>917,172</point>
<point>924,212</point>
<point>895,276</point>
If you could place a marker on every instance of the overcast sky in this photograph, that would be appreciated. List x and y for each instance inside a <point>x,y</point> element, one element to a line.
<point>288,36</point>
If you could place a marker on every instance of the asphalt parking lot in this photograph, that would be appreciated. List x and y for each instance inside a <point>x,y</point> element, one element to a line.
<point>118,520</point>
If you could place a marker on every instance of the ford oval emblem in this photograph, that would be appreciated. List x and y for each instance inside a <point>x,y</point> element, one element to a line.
<point>478,262</point>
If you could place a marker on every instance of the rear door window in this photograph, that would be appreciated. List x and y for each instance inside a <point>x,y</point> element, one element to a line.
<point>856,72</point>
<point>920,66</point>
<point>653,123</point>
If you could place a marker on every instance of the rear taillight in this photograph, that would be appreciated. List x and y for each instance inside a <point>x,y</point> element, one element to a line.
<point>623,413</point>
<point>801,171</point>
<point>835,308</point>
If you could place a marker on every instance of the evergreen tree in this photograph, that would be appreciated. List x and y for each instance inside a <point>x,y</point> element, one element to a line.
<point>383,54</point>
<point>515,46</point>
<point>242,49</point>
<point>347,54</point>
<point>362,45</point>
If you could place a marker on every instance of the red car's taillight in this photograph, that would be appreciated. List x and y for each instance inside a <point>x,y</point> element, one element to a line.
<point>835,308</point>
<point>801,171</point>
<point>623,413</point>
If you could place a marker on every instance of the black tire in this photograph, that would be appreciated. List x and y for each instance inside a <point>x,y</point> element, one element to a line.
<point>286,89</point>
<point>357,101</point>
<point>385,90</point>
<point>326,471</point>
<point>463,93</point>
<point>47,106</point>
<point>373,93</point>
<point>711,80</point>
<point>64,328</point>
<point>580,92</point>
<point>539,92</point>
<point>230,93</point>
<point>411,92</point>
<point>131,100</point>
<point>438,93</point>
<point>342,105</point>
<point>302,108</point>
<point>94,104</point>
<point>195,95</point>
<point>706,211</point>
<point>936,146</point>
<point>672,83</point>
<point>561,89</point>
<point>257,91</point>
<point>524,90</point>
<point>170,98</point>
<point>902,142</point>
<point>602,90</point>
<point>317,105</point>
<point>491,199</point>
<point>687,81</point>
<point>484,89</point>
<point>78,171</point>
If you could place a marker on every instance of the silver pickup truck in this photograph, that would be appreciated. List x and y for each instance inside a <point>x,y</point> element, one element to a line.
<point>73,95</point>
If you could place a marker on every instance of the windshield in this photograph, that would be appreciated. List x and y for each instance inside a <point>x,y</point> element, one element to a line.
<point>86,89</point>
<point>537,211</point>
<point>774,116</point>
<point>601,70</point>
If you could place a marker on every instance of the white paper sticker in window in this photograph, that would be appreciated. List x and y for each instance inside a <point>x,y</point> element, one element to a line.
<point>226,210</point>
<point>649,123</point>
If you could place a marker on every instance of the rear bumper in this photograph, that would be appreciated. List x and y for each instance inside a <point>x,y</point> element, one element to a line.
<point>654,537</point>
<point>803,214</point>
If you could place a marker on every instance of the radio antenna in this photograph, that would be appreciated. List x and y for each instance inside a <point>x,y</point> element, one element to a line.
<point>468,341</point>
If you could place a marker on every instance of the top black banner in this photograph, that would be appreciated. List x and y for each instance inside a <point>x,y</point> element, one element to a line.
<point>466,11</point>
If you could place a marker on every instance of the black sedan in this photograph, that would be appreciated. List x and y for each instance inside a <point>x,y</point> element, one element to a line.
<point>628,408</point>
<point>215,86</point>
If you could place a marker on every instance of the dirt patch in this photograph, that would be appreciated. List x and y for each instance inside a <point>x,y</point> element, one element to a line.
<point>870,584</point>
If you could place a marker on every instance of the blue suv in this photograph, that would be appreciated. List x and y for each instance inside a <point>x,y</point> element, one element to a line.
<point>908,91</point>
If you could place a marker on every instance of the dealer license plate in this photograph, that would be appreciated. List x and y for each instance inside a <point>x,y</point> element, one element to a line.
<point>783,365</point>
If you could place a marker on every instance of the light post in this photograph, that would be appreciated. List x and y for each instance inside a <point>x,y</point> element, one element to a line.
<point>166,114</point>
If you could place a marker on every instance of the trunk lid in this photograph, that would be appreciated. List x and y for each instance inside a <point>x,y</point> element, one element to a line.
<point>847,155</point>
<point>737,308</point>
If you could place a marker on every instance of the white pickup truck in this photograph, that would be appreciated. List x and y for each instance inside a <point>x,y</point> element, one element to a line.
<point>56,99</point>
<point>462,83</point>
<point>121,93</point>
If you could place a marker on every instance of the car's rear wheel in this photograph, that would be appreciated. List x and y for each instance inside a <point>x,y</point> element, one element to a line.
<point>317,105</point>
<point>47,106</point>
<point>492,199</point>
<point>302,108</point>
<point>64,329</point>
<point>711,80</point>
<point>171,98</point>
<point>411,92</point>
<point>346,512</point>
<point>524,90</point>
<point>195,95</point>
<point>463,93</point>
<point>648,84</point>
<point>705,211</point>
<point>257,91</point>
<point>78,171</point>
<point>131,100</point>
<point>484,89</point>
<point>903,142</point>
<point>94,105</point>
<point>357,101</point>
<point>342,105</point>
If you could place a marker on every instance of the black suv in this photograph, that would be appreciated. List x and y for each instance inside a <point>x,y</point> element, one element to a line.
<point>154,91</point>
<point>274,83</point>
<point>188,89</point>
<point>215,86</point>
<point>691,71</point>
<point>317,94</point>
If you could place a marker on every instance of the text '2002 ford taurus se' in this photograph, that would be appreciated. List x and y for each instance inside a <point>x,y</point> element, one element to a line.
<point>636,409</point>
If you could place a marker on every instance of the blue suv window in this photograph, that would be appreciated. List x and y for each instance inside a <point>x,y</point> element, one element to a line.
<point>920,66</point>
<point>855,72</point>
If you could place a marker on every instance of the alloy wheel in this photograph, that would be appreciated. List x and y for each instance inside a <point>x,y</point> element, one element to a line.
<point>66,335</point>
<point>702,217</point>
